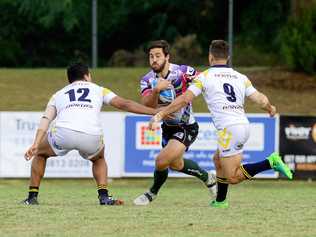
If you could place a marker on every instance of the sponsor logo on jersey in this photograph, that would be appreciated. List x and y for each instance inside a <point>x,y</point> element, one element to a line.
<point>227,107</point>
<point>225,76</point>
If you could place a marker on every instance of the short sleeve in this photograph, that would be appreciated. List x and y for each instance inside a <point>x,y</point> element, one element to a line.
<point>145,86</point>
<point>52,101</point>
<point>197,85</point>
<point>249,88</point>
<point>108,95</point>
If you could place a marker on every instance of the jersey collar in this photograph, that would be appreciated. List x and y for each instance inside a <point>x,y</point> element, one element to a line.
<point>220,65</point>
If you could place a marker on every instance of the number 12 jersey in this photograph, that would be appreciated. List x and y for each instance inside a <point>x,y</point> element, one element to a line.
<point>78,106</point>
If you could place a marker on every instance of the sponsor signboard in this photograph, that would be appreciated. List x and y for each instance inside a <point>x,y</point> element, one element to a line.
<point>17,131</point>
<point>143,145</point>
<point>298,144</point>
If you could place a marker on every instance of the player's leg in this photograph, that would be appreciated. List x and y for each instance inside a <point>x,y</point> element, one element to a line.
<point>222,183</point>
<point>91,147</point>
<point>100,174</point>
<point>171,152</point>
<point>37,170</point>
<point>229,173</point>
<point>184,136</point>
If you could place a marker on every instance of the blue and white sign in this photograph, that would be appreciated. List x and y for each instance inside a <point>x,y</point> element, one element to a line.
<point>143,145</point>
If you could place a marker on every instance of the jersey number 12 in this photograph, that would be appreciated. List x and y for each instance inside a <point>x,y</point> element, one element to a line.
<point>83,97</point>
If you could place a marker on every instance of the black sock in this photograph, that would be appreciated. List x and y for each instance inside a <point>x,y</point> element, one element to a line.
<point>33,192</point>
<point>251,170</point>
<point>190,167</point>
<point>102,190</point>
<point>222,189</point>
<point>159,179</point>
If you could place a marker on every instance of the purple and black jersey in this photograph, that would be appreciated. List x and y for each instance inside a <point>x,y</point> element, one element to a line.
<point>180,77</point>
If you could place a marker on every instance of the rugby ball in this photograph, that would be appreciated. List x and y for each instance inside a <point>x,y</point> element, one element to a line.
<point>165,96</point>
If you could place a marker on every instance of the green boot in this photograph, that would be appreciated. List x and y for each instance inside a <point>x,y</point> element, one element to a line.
<point>277,164</point>
<point>223,204</point>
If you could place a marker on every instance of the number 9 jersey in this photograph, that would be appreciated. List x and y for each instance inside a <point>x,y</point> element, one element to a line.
<point>78,106</point>
<point>224,91</point>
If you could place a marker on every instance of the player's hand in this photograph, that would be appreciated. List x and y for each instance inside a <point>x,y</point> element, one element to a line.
<point>163,84</point>
<point>30,153</point>
<point>272,111</point>
<point>155,119</point>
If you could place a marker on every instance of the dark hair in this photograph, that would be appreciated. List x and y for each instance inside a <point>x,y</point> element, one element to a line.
<point>159,44</point>
<point>76,72</point>
<point>219,49</point>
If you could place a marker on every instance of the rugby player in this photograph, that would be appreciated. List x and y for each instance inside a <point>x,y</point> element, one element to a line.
<point>178,132</point>
<point>77,126</point>
<point>224,91</point>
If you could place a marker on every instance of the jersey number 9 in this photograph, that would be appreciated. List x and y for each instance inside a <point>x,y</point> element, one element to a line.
<point>229,90</point>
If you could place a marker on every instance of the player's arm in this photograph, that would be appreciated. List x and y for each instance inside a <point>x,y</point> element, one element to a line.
<point>263,101</point>
<point>180,102</point>
<point>48,116</point>
<point>150,95</point>
<point>259,98</point>
<point>131,106</point>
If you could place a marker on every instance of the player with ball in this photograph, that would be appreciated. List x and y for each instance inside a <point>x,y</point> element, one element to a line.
<point>159,87</point>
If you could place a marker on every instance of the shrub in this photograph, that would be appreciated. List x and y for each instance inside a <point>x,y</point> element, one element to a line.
<point>187,50</point>
<point>122,58</point>
<point>298,42</point>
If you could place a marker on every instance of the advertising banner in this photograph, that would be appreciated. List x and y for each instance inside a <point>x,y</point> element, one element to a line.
<point>143,145</point>
<point>298,144</point>
<point>17,131</point>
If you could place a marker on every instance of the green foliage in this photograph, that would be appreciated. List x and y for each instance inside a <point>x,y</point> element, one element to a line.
<point>261,22</point>
<point>298,42</point>
<point>249,55</point>
<point>186,50</point>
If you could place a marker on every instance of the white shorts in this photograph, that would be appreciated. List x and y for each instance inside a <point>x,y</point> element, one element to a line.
<point>63,140</point>
<point>232,139</point>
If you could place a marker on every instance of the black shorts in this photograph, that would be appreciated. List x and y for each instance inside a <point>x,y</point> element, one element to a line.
<point>185,134</point>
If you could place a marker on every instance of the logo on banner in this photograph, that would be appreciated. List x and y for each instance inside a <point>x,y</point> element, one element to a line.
<point>297,133</point>
<point>314,132</point>
<point>146,138</point>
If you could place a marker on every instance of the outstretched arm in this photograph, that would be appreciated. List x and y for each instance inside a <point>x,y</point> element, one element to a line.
<point>177,104</point>
<point>48,116</point>
<point>263,101</point>
<point>131,106</point>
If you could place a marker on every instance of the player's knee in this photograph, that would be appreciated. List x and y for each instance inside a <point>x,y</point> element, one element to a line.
<point>161,164</point>
<point>233,180</point>
<point>177,166</point>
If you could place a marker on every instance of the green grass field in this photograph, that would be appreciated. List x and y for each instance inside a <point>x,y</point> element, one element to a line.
<point>70,208</point>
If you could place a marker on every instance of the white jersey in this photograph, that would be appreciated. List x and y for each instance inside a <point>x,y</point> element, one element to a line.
<point>78,106</point>
<point>224,91</point>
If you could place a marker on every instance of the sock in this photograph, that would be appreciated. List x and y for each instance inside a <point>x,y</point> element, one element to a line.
<point>192,168</point>
<point>33,192</point>
<point>250,170</point>
<point>159,179</point>
<point>222,189</point>
<point>102,190</point>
